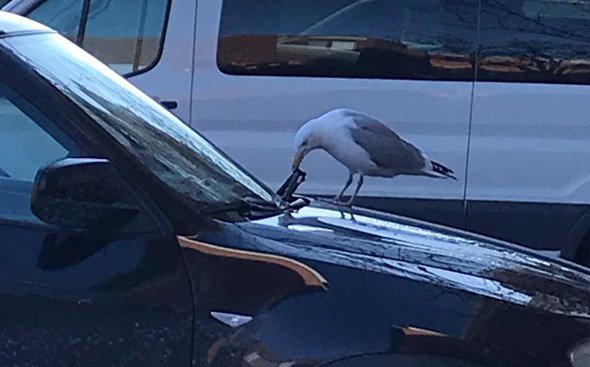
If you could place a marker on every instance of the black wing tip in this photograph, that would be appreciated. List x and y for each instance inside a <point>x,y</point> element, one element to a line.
<point>443,170</point>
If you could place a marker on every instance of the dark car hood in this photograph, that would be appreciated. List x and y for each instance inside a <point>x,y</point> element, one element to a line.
<point>425,252</point>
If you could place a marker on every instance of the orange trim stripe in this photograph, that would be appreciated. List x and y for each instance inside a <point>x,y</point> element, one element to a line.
<point>310,276</point>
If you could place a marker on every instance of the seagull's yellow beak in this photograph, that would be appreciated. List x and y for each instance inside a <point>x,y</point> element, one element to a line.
<point>298,158</point>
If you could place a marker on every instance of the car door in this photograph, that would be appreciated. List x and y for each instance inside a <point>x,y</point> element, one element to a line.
<point>528,161</point>
<point>263,68</point>
<point>149,42</point>
<point>71,298</point>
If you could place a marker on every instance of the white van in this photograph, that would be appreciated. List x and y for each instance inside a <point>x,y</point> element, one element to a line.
<point>498,90</point>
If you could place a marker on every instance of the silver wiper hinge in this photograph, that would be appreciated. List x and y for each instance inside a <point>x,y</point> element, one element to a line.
<point>231,319</point>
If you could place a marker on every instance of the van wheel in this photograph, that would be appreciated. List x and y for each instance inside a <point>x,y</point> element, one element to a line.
<point>583,254</point>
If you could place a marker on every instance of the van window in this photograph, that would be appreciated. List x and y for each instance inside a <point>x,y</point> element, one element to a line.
<point>389,39</point>
<point>124,34</point>
<point>546,41</point>
<point>61,15</point>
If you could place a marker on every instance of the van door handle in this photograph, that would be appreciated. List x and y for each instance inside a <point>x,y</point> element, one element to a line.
<point>168,104</point>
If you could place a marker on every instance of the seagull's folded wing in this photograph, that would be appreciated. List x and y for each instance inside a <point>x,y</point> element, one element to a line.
<point>387,149</point>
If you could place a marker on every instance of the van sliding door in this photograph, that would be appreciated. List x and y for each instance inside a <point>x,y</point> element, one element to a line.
<point>529,176</point>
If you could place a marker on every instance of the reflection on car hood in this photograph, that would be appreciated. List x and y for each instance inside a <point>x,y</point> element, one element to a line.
<point>420,251</point>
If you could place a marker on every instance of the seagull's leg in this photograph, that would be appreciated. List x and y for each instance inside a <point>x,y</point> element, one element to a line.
<point>356,191</point>
<point>338,198</point>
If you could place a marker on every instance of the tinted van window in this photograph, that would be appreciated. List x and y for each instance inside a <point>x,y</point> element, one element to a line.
<point>545,41</point>
<point>124,34</point>
<point>62,15</point>
<point>409,39</point>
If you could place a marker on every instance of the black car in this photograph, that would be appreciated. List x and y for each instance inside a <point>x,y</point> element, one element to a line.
<point>127,239</point>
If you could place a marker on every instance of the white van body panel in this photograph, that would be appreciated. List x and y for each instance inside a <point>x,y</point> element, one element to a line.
<point>254,119</point>
<point>529,143</point>
<point>171,78</point>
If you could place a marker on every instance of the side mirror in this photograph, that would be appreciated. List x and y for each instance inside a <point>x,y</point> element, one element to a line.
<point>82,194</point>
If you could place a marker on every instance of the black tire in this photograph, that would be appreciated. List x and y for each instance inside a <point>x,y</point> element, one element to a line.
<point>582,255</point>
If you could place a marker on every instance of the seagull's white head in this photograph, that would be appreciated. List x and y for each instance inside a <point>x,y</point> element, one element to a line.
<point>308,137</point>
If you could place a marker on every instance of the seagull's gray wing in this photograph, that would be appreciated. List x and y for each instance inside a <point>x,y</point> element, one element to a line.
<point>387,149</point>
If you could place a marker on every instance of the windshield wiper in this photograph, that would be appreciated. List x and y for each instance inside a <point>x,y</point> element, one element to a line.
<point>291,185</point>
<point>255,208</point>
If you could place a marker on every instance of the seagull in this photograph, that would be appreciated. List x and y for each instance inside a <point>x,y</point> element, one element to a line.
<point>365,146</point>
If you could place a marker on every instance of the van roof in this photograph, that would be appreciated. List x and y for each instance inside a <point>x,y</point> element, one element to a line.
<point>12,24</point>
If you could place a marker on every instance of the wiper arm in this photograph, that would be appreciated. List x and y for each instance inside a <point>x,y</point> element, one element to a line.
<point>291,185</point>
<point>248,208</point>
<point>253,208</point>
<point>261,209</point>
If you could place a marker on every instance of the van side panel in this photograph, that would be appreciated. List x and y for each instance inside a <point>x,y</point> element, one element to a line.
<point>529,149</point>
<point>170,80</point>
<point>530,143</point>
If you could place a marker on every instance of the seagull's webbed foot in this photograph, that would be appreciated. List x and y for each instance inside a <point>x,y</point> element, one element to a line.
<point>344,207</point>
<point>347,213</point>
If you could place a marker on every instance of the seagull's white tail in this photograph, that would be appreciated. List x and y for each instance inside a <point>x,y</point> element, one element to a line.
<point>435,169</point>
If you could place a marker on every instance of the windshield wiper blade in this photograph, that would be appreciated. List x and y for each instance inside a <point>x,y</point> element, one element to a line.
<point>291,185</point>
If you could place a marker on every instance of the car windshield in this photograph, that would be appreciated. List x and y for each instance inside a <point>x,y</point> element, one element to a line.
<point>174,153</point>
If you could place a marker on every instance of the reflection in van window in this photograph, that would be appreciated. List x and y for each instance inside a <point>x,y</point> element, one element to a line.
<point>62,15</point>
<point>545,41</point>
<point>124,34</point>
<point>389,39</point>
